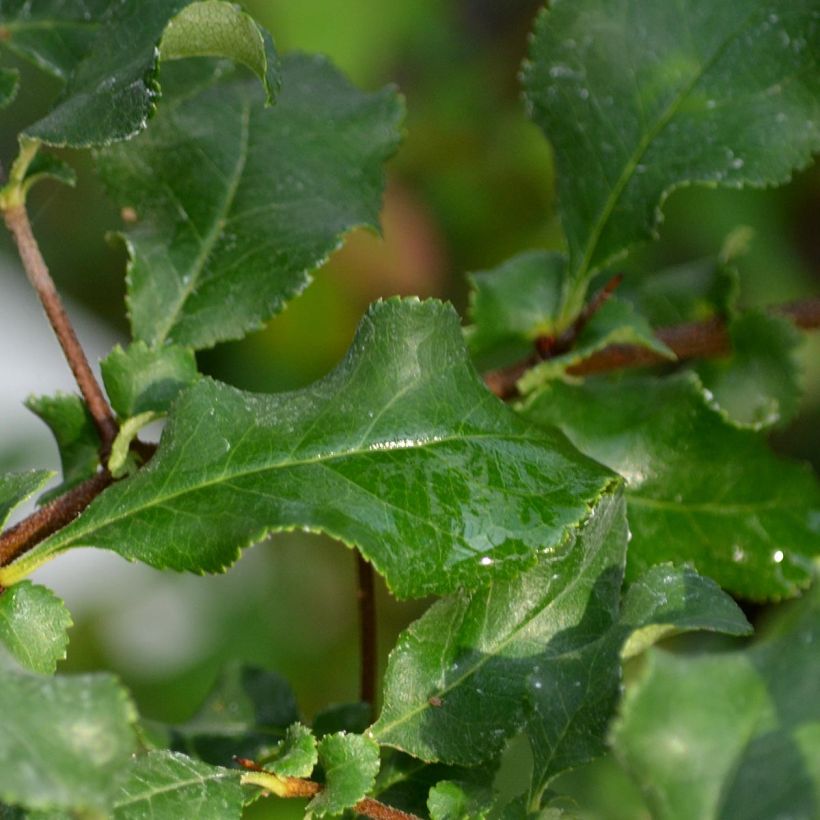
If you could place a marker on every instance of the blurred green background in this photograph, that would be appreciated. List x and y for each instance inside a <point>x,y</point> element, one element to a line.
<point>472,185</point>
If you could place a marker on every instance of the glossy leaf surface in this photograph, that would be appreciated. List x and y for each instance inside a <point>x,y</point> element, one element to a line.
<point>162,784</point>
<point>78,740</point>
<point>400,451</point>
<point>350,763</point>
<point>640,98</point>
<point>698,488</point>
<point>232,218</point>
<point>33,625</point>
<point>734,734</point>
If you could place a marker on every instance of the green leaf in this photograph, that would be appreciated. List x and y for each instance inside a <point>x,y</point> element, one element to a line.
<point>221,245</point>
<point>759,385</point>
<point>400,451</point>
<point>538,654</point>
<point>350,763</point>
<point>699,489</point>
<point>734,734</point>
<point>142,379</point>
<point>164,784</point>
<point>666,601</point>
<point>112,91</point>
<point>77,439</point>
<point>459,801</point>
<point>343,717</point>
<point>33,625</point>
<point>54,35</point>
<point>214,28</point>
<point>64,742</point>
<point>47,166</point>
<point>616,322</point>
<point>9,83</point>
<point>247,713</point>
<point>296,755</point>
<point>656,95</point>
<point>17,487</point>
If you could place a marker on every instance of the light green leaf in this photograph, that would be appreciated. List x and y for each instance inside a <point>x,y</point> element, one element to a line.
<point>140,378</point>
<point>33,625</point>
<point>17,487</point>
<point>220,245</point>
<point>759,385</point>
<point>78,739</point>
<point>9,83</point>
<point>77,439</point>
<point>350,763</point>
<point>699,489</point>
<point>667,601</point>
<point>459,801</point>
<point>121,462</point>
<point>655,95</point>
<point>214,28</point>
<point>296,755</point>
<point>734,734</point>
<point>112,91</point>
<point>247,713</point>
<point>164,784</point>
<point>400,451</point>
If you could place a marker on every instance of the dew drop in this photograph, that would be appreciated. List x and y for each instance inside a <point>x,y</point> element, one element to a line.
<point>486,561</point>
<point>737,163</point>
<point>778,556</point>
<point>738,554</point>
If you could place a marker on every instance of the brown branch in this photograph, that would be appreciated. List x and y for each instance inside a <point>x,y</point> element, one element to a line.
<point>367,630</point>
<point>695,340</point>
<point>18,223</point>
<point>48,519</point>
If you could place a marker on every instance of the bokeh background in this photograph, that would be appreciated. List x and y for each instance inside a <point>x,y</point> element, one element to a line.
<point>472,185</point>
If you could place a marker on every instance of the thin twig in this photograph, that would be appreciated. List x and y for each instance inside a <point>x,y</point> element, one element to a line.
<point>367,630</point>
<point>695,340</point>
<point>48,519</point>
<point>18,223</point>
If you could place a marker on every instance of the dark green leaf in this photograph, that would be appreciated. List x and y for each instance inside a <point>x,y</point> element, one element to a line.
<point>449,800</point>
<point>33,625</point>
<point>698,488</point>
<point>142,379</point>
<point>759,385</point>
<point>733,734</point>
<point>77,439</point>
<point>667,601</point>
<point>113,90</point>
<point>47,166</point>
<point>17,487</point>
<point>64,742</point>
<point>400,451</point>
<point>213,28</point>
<point>639,98</point>
<point>232,219</point>
<point>350,763</point>
<point>9,83</point>
<point>164,784</point>
<point>343,717</point>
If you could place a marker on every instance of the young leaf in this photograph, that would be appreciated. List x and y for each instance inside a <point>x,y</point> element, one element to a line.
<point>656,95</point>
<point>667,600</point>
<point>164,784</point>
<point>400,451</point>
<point>221,245</point>
<point>698,488</point>
<point>350,763</point>
<point>77,439</point>
<point>735,733</point>
<point>142,379</point>
<point>17,487</point>
<point>759,385</point>
<point>112,91</point>
<point>33,625</point>
<point>78,739</point>
<point>459,801</point>
<point>297,753</point>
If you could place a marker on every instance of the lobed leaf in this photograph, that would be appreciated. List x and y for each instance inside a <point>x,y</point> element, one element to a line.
<point>350,763</point>
<point>698,488</point>
<point>730,734</point>
<point>33,626</point>
<point>638,99</point>
<point>163,784</point>
<point>233,218</point>
<point>297,755</point>
<point>400,451</point>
